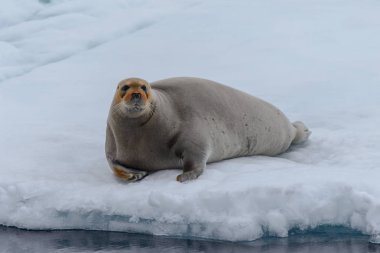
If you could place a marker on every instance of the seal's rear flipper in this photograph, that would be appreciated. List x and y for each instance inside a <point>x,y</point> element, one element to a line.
<point>302,132</point>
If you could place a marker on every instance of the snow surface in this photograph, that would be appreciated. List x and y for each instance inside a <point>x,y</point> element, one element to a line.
<point>318,61</point>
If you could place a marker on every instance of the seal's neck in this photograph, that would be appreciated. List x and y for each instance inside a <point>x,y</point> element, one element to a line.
<point>159,101</point>
<point>148,116</point>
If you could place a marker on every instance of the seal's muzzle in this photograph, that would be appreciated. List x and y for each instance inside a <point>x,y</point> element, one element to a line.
<point>136,96</point>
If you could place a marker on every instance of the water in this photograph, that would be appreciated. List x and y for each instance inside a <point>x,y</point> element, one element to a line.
<point>14,240</point>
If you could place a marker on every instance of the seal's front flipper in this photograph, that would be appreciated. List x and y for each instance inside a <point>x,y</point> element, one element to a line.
<point>191,170</point>
<point>189,175</point>
<point>194,156</point>
<point>127,174</point>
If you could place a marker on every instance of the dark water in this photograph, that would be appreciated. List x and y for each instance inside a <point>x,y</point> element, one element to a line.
<point>17,241</point>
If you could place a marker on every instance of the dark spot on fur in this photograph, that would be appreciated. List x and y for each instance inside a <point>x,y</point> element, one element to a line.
<point>179,153</point>
<point>173,140</point>
<point>246,124</point>
<point>251,144</point>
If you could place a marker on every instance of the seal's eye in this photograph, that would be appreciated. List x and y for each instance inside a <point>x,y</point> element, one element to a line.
<point>143,88</point>
<point>124,88</point>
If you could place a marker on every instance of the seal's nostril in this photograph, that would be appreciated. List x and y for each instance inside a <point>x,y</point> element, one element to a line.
<point>136,95</point>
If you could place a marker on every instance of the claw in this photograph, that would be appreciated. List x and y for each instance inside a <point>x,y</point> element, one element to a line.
<point>128,175</point>
<point>179,178</point>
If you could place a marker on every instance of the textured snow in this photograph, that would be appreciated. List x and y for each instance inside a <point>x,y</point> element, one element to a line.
<point>318,61</point>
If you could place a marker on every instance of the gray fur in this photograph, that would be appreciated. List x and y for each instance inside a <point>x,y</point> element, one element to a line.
<point>194,122</point>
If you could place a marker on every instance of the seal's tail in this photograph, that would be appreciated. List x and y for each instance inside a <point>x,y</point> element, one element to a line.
<point>302,132</point>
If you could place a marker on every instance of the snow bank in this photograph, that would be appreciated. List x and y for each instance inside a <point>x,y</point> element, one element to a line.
<point>316,60</point>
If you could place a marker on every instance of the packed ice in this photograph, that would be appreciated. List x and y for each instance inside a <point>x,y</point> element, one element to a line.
<point>318,61</point>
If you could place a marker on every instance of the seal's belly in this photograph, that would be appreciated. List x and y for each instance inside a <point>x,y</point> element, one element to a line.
<point>148,158</point>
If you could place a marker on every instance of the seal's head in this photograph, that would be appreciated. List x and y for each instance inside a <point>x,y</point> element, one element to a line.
<point>133,98</point>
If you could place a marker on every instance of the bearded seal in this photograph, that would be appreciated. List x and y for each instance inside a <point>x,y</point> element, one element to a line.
<point>187,122</point>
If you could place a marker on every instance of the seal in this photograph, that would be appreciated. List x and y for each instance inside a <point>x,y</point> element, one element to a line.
<point>185,123</point>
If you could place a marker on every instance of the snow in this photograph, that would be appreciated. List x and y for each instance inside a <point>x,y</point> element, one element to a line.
<point>318,61</point>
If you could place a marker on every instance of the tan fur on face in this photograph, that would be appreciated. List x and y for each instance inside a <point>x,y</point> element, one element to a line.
<point>135,86</point>
<point>127,96</point>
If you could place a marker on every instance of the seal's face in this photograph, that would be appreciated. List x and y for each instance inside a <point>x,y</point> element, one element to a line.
<point>133,97</point>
